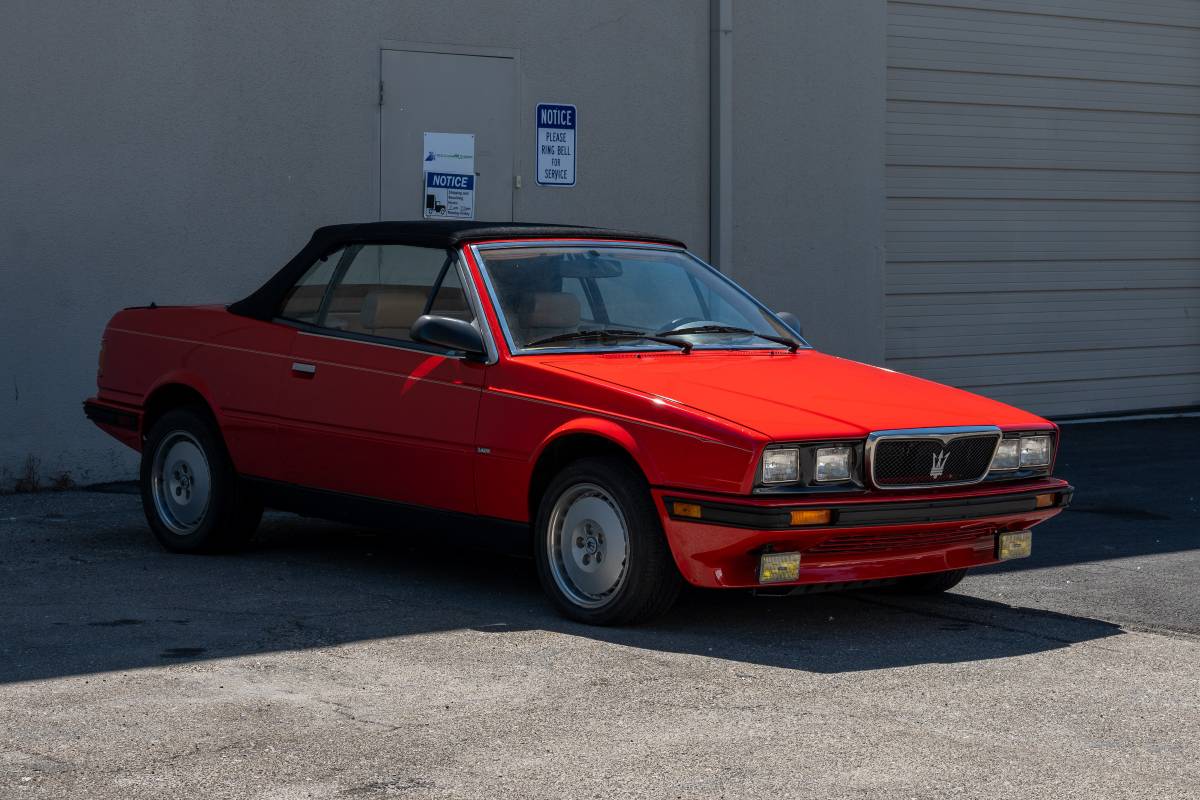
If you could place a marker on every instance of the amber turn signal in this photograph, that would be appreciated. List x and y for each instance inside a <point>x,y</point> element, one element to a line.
<point>686,510</point>
<point>812,516</point>
<point>1046,500</point>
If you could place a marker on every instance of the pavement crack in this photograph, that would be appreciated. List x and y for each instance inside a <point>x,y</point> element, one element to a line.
<point>343,710</point>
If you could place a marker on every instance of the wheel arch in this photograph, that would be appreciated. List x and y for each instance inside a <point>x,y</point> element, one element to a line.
<point>174,392</point>
<point>582,439</point>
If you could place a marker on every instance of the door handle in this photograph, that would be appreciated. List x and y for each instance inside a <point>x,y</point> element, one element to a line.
<point>304,369</point>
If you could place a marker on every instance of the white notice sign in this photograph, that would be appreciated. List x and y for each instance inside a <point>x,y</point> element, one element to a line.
<point>449,175</point>
<point>556,144</point>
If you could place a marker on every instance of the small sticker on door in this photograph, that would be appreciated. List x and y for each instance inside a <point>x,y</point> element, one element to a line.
<point>448,166</point>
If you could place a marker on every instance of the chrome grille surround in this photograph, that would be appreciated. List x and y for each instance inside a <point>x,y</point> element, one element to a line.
<point>942,435</point>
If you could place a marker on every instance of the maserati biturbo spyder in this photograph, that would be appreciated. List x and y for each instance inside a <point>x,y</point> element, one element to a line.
<point>631,413</point>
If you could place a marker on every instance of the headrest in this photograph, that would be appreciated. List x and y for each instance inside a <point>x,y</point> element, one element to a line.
<point>392,308</point>
<point>553,310</point>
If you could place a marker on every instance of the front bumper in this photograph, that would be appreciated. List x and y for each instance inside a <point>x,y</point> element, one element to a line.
<point>866,538</point>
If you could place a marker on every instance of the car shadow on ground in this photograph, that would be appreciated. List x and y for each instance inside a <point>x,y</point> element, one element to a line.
<point>108,598</point>
<point>1135,493</point>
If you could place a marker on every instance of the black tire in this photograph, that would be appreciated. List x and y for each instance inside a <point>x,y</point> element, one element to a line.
<point>229,515</point>
<point>933,583</point>
<point>649,580</point>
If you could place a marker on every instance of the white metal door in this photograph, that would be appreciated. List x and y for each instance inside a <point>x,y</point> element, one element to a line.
<point>446,93</point>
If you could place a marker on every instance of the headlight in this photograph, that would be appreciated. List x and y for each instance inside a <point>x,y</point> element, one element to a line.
<point>1008,456</point>
<point>781,465</point>
<point>1035,451</point>
<point>1023,452</point>
<point>833,464</point>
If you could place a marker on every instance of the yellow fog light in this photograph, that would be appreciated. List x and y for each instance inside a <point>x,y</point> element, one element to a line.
<point>1045,500</point>
<point>778,567</point>
<point>686,510</point>
<point>812,516</point>
<point>1017,544</point>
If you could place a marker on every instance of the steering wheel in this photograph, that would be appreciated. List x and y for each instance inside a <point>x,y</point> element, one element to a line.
<point>678,322</point>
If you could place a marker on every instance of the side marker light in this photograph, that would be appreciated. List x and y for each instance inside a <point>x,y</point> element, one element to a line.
<point>691,510</point>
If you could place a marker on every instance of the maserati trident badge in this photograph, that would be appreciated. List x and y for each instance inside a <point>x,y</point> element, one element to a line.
<point>939,464</point>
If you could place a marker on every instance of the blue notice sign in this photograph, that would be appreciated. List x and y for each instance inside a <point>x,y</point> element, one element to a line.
<point>556,128</point>
<point>449,196</point>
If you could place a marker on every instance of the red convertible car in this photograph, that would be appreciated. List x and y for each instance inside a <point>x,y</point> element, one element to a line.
<point>632,414</point>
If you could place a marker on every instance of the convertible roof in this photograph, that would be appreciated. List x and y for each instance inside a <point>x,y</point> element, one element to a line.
<point>447,234</point>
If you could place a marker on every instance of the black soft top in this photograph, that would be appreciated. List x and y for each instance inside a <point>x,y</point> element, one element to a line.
<point>447,234</point>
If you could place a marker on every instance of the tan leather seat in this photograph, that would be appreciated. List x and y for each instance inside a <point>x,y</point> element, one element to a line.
<point>392,311</point>
<point>549,313</point>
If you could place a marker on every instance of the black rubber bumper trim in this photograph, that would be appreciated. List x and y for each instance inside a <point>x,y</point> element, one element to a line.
<point>107,415</point>
<point>860,515</point>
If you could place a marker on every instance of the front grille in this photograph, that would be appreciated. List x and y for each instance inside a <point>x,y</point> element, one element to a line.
<point>946,460</point>
<point>853,543</point>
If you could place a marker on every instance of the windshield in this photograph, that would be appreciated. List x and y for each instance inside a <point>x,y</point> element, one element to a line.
<point>590,297</point>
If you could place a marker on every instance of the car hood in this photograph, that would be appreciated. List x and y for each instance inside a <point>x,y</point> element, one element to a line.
<point>802,395</point>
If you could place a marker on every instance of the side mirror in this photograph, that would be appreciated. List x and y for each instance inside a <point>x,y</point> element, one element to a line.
<point>791,320</point>
<point>456,334</point>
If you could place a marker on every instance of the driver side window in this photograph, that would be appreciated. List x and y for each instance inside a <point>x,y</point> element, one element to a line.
<point>377,290</point>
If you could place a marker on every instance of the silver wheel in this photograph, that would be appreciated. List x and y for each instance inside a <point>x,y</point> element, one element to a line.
<point>588,545</point>
<point>181,482</point>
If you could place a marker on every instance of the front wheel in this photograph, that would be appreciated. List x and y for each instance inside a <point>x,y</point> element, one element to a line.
<point>192,497</point>
<point>600,549</point>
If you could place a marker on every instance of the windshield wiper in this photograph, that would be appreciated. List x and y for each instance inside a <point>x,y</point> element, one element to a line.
<point>611,333</point>
<point>791,344</point>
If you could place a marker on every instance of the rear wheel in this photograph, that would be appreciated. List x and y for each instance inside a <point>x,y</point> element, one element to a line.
<point>934,583</point>
<point>600,549</point>
<point>191,495</point>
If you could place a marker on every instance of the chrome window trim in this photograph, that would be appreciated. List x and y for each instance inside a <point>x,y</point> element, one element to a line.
<point>394,344</point>
<point>945,436</point>
<point>518,352</point>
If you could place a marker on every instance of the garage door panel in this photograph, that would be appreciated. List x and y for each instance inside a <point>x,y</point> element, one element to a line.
<point>1020,90</point>
<point>952,310</point>
<point>1038,60</point>
<point>957,151</point>
<point>1100,395</point>
<point>961,23</point>
<point>1024,276</point>
<point>952,182</point>
<point>1042,246</point>
<point>1039,129</point>
<point>933,213</point>
<point>1164,12</point>
<point>916,344</point>
<point>1013,368</point>
<point>1176,149</point>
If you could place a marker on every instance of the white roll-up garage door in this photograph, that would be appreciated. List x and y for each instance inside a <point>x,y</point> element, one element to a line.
<point>1043,218</point>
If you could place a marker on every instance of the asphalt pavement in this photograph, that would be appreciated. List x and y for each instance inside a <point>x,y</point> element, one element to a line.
<point>329,661</point>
